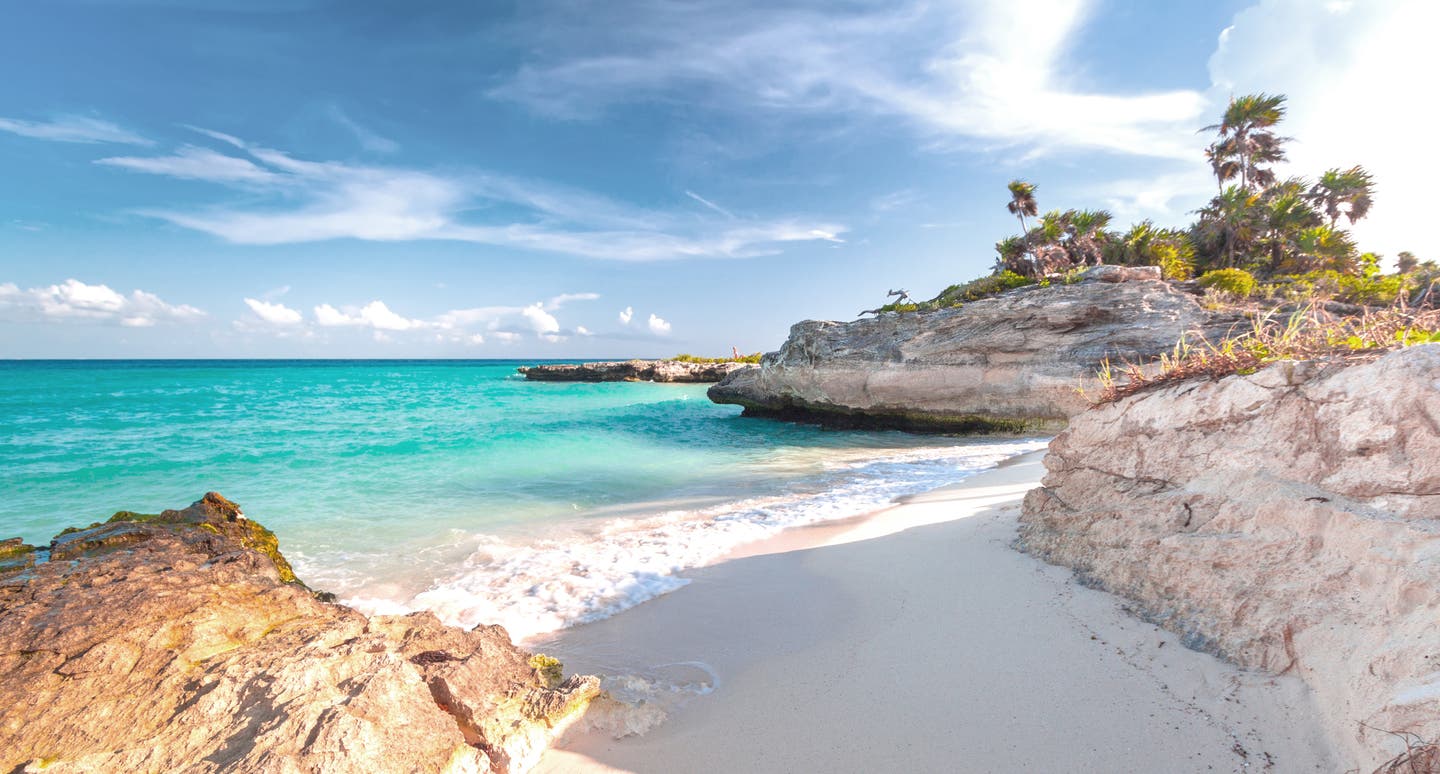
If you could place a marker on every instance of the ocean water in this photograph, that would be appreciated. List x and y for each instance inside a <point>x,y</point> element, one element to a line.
<point>453,486</point>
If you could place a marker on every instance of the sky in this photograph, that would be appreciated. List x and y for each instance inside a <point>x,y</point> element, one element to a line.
<point>573,179</point>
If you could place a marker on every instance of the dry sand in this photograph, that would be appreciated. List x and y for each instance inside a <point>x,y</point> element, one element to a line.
<point>919,640</point>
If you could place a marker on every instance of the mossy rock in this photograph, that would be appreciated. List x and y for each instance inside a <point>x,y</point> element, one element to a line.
<point>548,668</point>
<point>14,547</point>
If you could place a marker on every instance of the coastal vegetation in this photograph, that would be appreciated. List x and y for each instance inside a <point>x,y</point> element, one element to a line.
<point>1261,238</point>
<point>684,357</point>
<point>1310,333</point>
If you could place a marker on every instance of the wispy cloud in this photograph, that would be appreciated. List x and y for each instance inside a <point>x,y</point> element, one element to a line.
<point>368,139</point>
<point>192,163</point>
<point>72,128</point>
<point>980,72</point>
<point>564,298</point>
<point>314,201</point>
<point>710,204</point>
<point>76,301</point>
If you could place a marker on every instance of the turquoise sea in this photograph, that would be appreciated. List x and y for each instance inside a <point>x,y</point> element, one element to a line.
<point>454,486</point>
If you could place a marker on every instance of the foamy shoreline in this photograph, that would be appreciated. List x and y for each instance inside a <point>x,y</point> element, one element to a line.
<point>918,639</point>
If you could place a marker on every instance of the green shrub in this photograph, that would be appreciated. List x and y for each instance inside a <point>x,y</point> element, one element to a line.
<point>548,668</point>
<point>1371,289</point>
<point>753,357</point>
<point>1235,282</point>
<point>976,289</point>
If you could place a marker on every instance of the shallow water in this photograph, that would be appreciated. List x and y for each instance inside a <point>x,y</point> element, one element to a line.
<point>453,486</point>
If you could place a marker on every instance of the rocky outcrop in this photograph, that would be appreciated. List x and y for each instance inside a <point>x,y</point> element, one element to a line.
<point>1012,362</point>
<point>1288,520</point>
<point>631,371</point>
<point>183,642</point>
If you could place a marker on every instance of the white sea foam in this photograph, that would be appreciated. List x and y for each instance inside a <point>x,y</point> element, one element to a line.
<point>537,587</point>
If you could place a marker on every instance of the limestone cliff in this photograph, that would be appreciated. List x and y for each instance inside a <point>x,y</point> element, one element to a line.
<point>183,642</point>
<point>1012,362</point>
<point>1289,520</point>
<point>631,371</point>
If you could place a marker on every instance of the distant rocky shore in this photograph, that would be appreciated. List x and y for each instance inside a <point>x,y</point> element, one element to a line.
<point>633,371</point>
<point>183,641</point>
<point>1011,363</point>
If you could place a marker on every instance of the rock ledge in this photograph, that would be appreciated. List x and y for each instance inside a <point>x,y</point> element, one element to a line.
<point>631,371</point>
<point>1011,363</point>
<point>183,641</point>
<point>1288,520</point>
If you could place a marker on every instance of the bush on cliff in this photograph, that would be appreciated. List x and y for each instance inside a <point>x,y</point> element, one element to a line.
<point>1309,334</point>
<point>1236,283</point>
<point>683,357</point>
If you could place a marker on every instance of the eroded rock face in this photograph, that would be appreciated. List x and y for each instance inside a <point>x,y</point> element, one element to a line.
<point>1010,363</point>
<point>183,642</point>
<point>631,371</point>
<point>1288,520</point>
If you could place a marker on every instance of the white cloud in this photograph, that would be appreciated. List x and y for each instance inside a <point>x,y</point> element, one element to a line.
<point>627,314</point>
<point>316,201</point>
<point>986,72</point>
<point>581,330</point>
<point>541,321</point>
<point>73,300</point>
<point>81,129</point>
<point>375,315</point>
<point>273,313</point>
<point>505,337</point>
<point>658,326</point>
<point>1350,75</point>
<point>330,317</point>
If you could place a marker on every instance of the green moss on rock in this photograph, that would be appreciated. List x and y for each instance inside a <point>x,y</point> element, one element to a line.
<point>141,518</point>
<point>548,668</point>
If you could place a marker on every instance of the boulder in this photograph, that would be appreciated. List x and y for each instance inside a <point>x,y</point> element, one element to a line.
<point>1015,362</point>
<point>183,641</point>
<point>1288,520</point>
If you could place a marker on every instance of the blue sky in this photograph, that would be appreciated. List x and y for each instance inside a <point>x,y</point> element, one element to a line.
<point>313,178</point>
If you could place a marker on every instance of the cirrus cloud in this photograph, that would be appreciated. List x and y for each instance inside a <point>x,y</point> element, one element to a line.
<point>310,201</point>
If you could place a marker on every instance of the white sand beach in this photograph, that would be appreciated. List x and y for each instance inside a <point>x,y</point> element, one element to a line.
<point>919,640</point>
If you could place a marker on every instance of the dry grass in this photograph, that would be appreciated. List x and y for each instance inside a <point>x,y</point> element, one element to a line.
<point>1419,757</point>
<point>1308,334</point>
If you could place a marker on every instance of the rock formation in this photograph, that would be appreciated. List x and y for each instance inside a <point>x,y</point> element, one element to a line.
<point>183,641</point>
<point>631,371</point>
<point>1012,362</point>
<point>1288,520</point>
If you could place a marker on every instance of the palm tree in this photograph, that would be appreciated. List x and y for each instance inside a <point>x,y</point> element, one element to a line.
<point>1406,262</point>
<point>1353,189</point>
<point>1232,220</point>
<point>1287,213</point>
<point>1011,256</point>
<point>1324,247</point>
<point>1022,202</point>
<point>1145,244</point>
<point>1246,141</point>
<point>1087,235</point>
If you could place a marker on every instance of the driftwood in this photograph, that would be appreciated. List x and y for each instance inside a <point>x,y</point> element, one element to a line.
<point>903,298</point>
